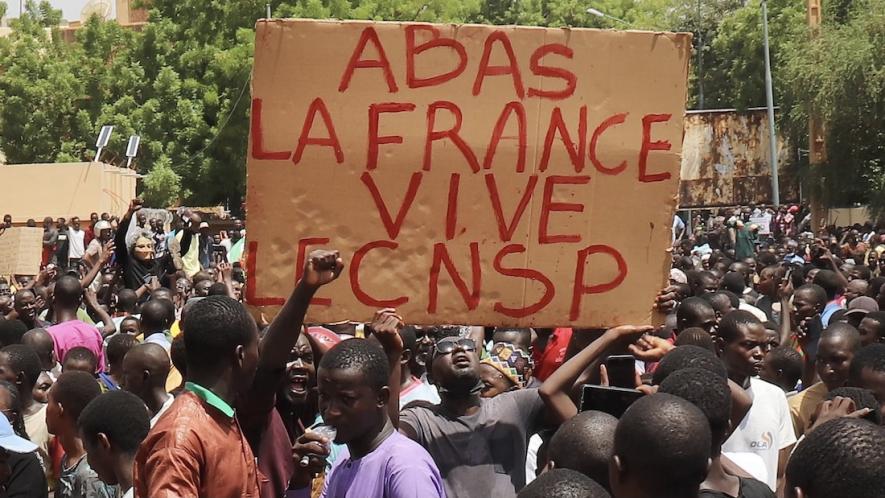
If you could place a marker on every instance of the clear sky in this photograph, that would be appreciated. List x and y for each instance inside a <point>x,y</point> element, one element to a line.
<point>70,8</point>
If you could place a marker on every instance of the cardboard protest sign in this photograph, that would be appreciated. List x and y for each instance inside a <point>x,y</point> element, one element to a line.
<point>481,175</point>
<point>65,190</point>
<point>20,251</point>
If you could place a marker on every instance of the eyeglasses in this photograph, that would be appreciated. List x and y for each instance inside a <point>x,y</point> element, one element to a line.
<point>446,347</point>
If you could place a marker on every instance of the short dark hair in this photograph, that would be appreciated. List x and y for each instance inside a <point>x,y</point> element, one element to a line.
<point>563,483</point>
<point>696,336</point>
<point>843,330</point>
<point>734,282</point>
<point>25,360</point>
<point>830,282</point>
<point>879,318</point>
<point>118,346</point>
<point>685,357</point>
<point>863,398</point>
<point>843,457</point>
<point>367,357</point>
<point>119,415</point>
<point>81,353</point>
<point>708,392</point>
<point>74,390</point>
<point>666,440</point>
<point>732,298</point>
<point>788,361</point>
<point>126,300</point>
<point>815,291</point>
<point>178,355</point>
<point>690,309</point>
<point>585,443</point>
<point>67,291</point>
<point>524,334</point>
<point>218,289</point>
<point>213,328</point>
<point>871,357</point>
<point>410,340</point>
<point>11,332</point>
<point>732,323</point>
<point>157,315</point>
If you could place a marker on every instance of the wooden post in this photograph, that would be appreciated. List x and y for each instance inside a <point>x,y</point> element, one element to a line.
<point>817,147</point>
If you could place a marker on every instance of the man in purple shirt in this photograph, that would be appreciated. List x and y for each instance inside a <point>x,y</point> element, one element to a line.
<point>354,397</point>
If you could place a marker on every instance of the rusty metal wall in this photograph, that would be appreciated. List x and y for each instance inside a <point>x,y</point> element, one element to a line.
<point>725,160</point>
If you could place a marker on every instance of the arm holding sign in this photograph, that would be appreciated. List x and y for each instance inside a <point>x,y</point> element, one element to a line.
<point>555,389</point>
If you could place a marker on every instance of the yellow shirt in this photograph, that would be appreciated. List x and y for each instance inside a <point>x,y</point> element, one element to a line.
<point>191,260</point>
<point>804,405</point>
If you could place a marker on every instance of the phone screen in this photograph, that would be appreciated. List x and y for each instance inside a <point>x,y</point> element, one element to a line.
<point>621,371</point>
<point>611,400</point>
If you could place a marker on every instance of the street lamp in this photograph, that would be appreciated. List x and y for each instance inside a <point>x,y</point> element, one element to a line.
<point>599,13</point>
<point>769,101</point>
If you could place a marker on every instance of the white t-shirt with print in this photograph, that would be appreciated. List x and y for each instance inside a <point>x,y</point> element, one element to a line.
<point>766,429</point>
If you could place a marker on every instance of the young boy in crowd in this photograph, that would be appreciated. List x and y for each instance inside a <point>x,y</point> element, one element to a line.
<point>712,395</point>
<point>584,443</point>
<point>353,383</point>
<point>79,359</point>
<point>20,365</point>
<point>118,346</point>
<point>842,458</point>
<point>113,425</point>
<point>42,344</point>
<point>198,449</point>
<point>836,348</point>
<point>145,369</point>
<point>867,370</point>
<point>563,483</point>
<point>767,429</point>
<point>68,396</point>
<point>782,366</point>
<point>662,449</point>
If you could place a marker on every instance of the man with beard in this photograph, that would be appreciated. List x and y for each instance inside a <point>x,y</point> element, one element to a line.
<point>480,444</point>
<point>282,403</point>
<point>767,429</point>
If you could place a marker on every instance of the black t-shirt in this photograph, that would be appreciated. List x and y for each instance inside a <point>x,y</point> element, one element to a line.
<point>749,488</point>
<point>27,479</point>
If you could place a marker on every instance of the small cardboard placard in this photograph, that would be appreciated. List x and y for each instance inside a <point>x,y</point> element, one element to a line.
<point>20,251</point>
<point>482,175</point>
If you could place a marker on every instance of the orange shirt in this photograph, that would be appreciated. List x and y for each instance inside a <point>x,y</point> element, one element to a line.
<point>197,449</point>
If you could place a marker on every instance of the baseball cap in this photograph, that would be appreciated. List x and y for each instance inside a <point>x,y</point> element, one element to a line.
<point>203,224</point>
<point>10,441</point>
<point>102,225</point>
<point>861,306</point>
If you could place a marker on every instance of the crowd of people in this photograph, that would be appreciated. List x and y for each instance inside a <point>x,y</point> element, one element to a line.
<point>130,367</point>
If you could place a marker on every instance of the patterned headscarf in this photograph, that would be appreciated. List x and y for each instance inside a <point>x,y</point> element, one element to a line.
<point>515,364</point>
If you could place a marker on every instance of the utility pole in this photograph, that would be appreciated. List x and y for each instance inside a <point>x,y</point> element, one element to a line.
<point>700,73</point>
<point>769,100</point>
<point>817,147</point>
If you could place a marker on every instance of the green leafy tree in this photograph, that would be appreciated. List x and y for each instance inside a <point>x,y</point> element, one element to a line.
<point>840,75</point>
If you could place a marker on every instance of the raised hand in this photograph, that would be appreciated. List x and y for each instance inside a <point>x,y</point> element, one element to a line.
<point>385,326</point>
<point>224,271</point>
<point>837,407</point>
<point>321,268</point>
<point>135,205</point>
<point>107,253</point>
<point>650,348</point>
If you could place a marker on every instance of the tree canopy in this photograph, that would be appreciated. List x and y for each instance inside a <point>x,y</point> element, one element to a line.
<point>181,81</point>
